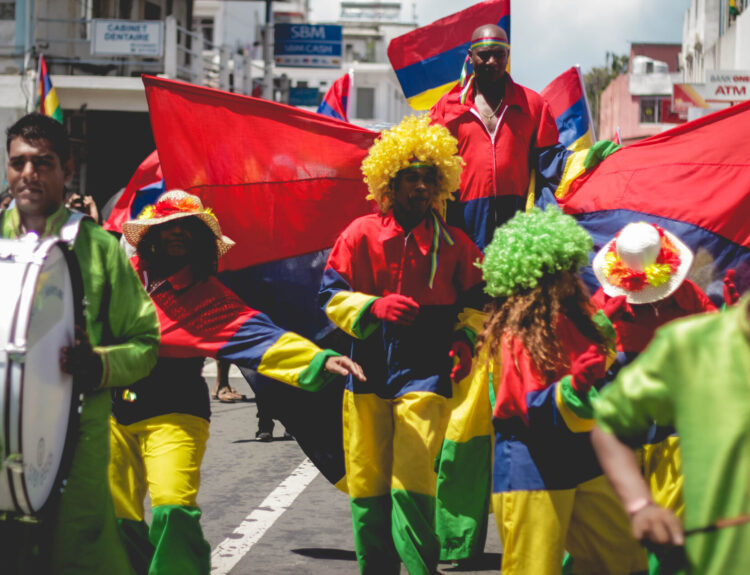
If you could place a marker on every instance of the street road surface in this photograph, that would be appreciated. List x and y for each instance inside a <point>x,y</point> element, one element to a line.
<point>267,510</point>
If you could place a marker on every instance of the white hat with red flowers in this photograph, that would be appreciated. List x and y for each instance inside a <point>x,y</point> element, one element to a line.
<point>643,262</point>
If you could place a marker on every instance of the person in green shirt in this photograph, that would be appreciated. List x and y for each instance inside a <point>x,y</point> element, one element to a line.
<point>694,375</point>
<point>118,346</point>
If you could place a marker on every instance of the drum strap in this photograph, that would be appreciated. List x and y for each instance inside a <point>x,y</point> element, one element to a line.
<point>69,230</point>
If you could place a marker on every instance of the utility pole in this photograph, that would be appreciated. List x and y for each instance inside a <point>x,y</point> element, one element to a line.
<point>268,53</point>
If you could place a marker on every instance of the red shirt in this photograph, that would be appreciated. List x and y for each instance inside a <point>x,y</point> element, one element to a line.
<point>497,164</point>
<point>375,257</point>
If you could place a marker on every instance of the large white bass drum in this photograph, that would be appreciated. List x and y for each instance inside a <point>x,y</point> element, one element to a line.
<point>42,298</point>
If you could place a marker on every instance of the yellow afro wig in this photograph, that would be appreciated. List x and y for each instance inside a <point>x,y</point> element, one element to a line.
<point>414,139</point>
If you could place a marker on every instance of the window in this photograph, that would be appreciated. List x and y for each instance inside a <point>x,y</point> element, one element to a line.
<point>7,10</point>
<point>206,27</point>
<point>649,111</point>
<point>365,103</point>
<point>151,11</point>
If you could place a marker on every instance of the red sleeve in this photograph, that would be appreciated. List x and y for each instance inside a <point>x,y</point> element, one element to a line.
<point>693,299</point>
<point>437,113</point>
<point>546,134</point>
<point>341,257</point>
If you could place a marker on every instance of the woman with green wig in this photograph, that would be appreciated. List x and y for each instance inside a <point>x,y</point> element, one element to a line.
<point>549,350</point>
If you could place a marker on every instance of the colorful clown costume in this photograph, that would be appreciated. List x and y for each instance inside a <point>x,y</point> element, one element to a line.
<point>394,422</point>
<point>548,491</point>
<point>160,424</point>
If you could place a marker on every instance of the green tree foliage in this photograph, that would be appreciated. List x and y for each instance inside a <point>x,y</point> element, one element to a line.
<point>597,79</point>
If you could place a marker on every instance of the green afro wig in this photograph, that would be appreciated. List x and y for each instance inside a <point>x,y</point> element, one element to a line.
<point>530,245</point>
<point>415,138</point>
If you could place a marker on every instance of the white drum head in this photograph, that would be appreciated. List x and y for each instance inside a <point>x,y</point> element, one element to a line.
<point>38,393</point>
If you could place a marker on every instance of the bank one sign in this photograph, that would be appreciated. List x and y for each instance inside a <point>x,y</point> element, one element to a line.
<point>127,37</point>
<point>307,45</point>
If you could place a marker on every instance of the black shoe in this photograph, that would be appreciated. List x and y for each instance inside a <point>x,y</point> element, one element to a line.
<point>264,436</point>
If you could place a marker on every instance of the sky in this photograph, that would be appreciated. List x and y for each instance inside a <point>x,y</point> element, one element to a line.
<point>550,36</point>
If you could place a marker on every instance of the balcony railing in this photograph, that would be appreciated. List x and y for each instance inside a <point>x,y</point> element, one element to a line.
<point>187,56</point>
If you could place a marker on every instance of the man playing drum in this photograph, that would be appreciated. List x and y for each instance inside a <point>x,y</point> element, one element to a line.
<point>117,346</point>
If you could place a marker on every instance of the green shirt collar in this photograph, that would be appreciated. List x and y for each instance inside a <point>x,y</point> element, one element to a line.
<point>12,223</point>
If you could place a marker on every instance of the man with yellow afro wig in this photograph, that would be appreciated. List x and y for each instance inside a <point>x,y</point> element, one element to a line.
<point>394,282</point>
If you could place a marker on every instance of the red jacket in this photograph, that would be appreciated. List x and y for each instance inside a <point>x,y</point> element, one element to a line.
<point>635,333</point>
<point>495,180</point>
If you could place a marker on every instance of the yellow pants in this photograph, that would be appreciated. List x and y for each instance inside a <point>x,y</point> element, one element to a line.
<point>536,527</point>
<point>162,455</point>
<point>390,447</point>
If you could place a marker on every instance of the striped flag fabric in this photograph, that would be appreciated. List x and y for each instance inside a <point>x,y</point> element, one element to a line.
<point>692,180</point>
<point>569,106</point>
<point>335,104</point>
<point>428,60</point>
<point>48,103</point>
<point>144,187</point>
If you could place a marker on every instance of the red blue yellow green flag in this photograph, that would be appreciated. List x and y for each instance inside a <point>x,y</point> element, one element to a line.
<point>49,105</point>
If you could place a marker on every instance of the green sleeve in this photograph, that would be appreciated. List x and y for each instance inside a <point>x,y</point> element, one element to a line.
<point>132,324</point>
<point>641,395</point>
<point>315,377</point>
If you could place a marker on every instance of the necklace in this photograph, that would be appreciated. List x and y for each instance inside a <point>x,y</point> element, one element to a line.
<point>494,112</point>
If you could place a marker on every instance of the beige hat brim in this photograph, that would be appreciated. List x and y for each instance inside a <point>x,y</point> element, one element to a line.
<point>134,230</point>
<point>649,293</point>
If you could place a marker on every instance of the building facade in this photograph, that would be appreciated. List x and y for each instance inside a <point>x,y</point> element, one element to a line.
<point>639,104</point>
<point>674,83</point>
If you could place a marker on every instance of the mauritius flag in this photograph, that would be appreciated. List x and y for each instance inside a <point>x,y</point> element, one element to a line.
<point>428,60</point>
<point>336,101</point>
<point>284,183</point>
<point>567,101</point>
<point>49,105</point>
<point>693,180</point>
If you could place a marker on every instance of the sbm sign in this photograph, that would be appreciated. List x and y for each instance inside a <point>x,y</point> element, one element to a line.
<point>307,45</point>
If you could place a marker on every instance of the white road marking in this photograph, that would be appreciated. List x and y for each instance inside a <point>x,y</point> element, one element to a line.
<point>229,552</point>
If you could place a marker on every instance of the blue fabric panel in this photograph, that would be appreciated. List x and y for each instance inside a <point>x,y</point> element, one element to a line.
<point>251,341</point>
<point>330,284</point>
<point>146,197</point>
<point>287,291</point>
<point>479,218</point>
<point>573,123</point>
<point>543,455</point>
<point>326,109</point>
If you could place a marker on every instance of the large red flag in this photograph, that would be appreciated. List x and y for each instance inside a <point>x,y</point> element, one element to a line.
<point>693,180</point>
<point>283,181</point>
